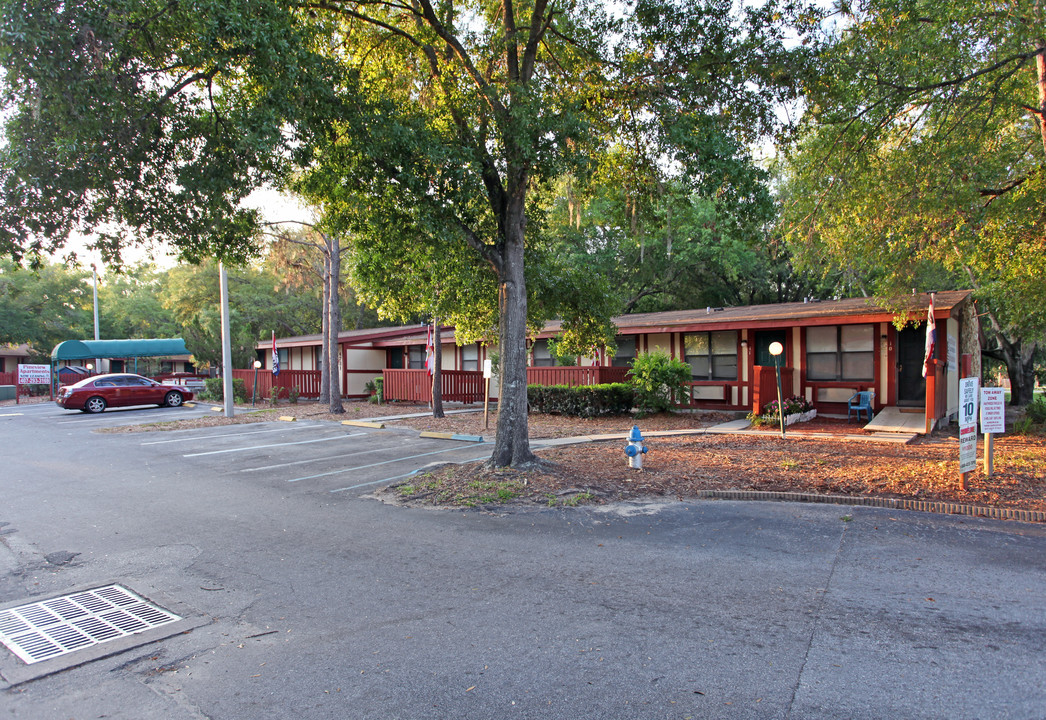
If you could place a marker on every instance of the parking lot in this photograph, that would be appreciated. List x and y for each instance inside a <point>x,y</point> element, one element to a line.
<point>313,456</point>
<point>298,595</point>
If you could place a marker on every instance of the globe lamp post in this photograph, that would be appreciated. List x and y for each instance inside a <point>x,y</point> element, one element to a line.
<point>776,349</point>
<point>254,393</point>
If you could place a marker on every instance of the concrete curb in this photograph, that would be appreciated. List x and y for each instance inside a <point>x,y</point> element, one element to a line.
<point>451,436</point>
<point>364,423</point>
<point>932,506</point>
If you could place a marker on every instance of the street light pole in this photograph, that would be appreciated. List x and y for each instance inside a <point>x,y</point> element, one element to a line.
<point>776,349</point>
<point>254,393</point>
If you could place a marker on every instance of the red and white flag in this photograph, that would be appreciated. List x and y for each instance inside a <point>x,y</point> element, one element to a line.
<point>931,337</point>
<point>275,356</point>
<point>430,353</point>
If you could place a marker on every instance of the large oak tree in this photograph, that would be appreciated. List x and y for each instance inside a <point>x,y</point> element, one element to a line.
<point>924,161</point>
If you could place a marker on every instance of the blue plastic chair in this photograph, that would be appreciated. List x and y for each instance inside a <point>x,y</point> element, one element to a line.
<point>860,402</point>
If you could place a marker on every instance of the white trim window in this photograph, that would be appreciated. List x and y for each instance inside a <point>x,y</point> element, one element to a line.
<point>840,353</point>
<point>711,355</point>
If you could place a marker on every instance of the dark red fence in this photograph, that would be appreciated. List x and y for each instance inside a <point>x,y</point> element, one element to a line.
<point>8,378</point>
<point>764,389</point>
<point>307,382</point>
<point>464,386</point>
<point>575,376</point>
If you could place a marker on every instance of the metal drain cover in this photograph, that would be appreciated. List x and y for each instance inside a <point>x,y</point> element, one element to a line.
<point>70,629</point>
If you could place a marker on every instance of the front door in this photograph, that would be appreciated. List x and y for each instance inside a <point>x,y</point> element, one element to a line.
<point>911,385</point>
<point>763,339</point>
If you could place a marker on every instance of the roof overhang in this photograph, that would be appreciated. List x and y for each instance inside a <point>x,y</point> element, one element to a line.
<point>87,349</point>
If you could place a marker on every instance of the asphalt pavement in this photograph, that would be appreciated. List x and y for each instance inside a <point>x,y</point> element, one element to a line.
<point>300,595</point>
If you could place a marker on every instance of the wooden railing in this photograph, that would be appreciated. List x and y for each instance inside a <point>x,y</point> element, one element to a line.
<point>575,376</point>
<point>464,386</point>
<point>307,382</point>
<point>764,388</point>
<point>936,393</point>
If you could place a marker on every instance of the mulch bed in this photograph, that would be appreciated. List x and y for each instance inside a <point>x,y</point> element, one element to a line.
<point>678,467</point>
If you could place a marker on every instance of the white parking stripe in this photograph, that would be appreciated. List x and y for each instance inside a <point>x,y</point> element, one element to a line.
<point>383,462</point>
<point>313,460</point>
<point>261,447</point>
<point>295,426</point>
<point>400,477</point>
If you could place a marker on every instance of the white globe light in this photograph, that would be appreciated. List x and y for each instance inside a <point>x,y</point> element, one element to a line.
<point>776,348</point>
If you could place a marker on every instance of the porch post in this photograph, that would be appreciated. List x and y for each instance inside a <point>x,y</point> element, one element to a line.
<point>931,394</point>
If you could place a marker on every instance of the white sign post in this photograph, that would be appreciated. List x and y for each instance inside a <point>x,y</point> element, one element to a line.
<point>967,428</point>
<point>488,370</point>
<point>993,421</point>
<point>32,375</point>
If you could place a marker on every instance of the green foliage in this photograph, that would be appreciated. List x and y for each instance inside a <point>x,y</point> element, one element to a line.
<point>920,165</point>
<point>274,395</point>
<point>142,120</point>
<point>293,394</point>
<point>45,306</point>
<point>658,380</point>
<point>585,401</point>
<point>1036,411</point>
<point>376,389</point>
<point>214,390</point>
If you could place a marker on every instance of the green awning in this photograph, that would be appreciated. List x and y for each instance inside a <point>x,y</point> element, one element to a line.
<point>86,349</point>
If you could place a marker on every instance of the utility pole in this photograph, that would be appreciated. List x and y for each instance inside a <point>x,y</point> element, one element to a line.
<point>226,341</point>
<point>94,273</point>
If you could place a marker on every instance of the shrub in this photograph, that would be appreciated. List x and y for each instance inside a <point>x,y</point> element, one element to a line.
<point>214,390</point>
<point>586,401</point>
<point>274,394</point>
<point>376,388</point>
<point>1036,411</point>
<point>658,380</point>
<point>293,394</point>
<point>792,406</point>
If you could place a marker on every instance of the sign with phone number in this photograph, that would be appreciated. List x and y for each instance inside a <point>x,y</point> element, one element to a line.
<point>968,424</point>
<point>34,374</point>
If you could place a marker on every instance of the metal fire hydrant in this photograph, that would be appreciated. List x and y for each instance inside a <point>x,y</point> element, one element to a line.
<point>635,448</point>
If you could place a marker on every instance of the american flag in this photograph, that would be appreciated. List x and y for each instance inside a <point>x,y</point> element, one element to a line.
<point>430,353</point>
<point>275,356</point>
<point>931,336</point>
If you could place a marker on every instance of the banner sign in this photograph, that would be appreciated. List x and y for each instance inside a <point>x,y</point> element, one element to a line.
<point>993,410</point>
<point>968,424</point>
<point>34,374</point>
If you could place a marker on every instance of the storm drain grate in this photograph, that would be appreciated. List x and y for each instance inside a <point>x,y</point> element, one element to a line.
<point>52,628</point>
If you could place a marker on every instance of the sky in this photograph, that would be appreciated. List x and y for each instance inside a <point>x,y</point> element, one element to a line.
<point>274,206</point>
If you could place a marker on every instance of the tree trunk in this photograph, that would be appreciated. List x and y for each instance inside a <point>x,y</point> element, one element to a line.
<point>325,389</point>
<point>1020,367</point>
<point>512,441</point>
<point>437,370</point>
<point>334,325</point>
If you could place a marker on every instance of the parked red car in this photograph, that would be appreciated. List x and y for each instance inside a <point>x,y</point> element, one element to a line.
<point>96,393</point>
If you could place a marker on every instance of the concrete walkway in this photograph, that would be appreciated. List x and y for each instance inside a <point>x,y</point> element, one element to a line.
<point>732,427</point>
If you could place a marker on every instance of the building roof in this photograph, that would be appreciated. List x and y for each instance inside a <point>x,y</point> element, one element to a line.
<point>11,350</point>
<point>777,315</point>
<point>814,312</point>
<point>85,349</point>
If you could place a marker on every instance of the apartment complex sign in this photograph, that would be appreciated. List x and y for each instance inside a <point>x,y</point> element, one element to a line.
<point>34,374</point>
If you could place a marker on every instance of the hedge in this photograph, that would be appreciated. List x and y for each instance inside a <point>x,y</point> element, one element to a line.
<point>586,401</point>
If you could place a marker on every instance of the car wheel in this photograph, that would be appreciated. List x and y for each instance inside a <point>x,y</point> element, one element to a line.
<point>173,399</point>
<point>94,404</point>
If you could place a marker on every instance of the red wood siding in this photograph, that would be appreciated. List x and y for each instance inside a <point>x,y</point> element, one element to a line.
<point>576,376</point>
<point>464,386</point>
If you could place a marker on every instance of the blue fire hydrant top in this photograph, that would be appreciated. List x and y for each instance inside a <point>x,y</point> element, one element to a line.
<point>635,435</point>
